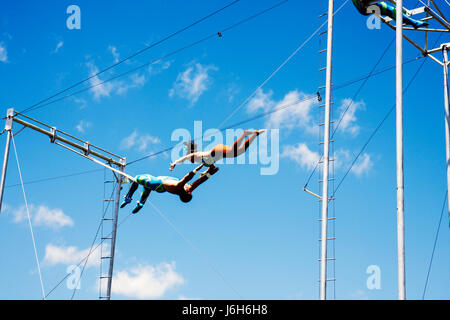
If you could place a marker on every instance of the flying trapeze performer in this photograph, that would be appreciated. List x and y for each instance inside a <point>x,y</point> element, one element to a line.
<point>167,184</point>
<point>386,9</point>
<point>208,158</point>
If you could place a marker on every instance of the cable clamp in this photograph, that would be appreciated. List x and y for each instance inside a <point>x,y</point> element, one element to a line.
<point>87,148</point>
<point>53,134</point>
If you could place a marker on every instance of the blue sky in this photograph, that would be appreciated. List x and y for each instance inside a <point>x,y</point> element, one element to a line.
<point>248,235</point>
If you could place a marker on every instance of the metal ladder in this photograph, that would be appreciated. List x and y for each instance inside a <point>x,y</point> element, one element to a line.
<point>331,237</point>
<point>106,228</point>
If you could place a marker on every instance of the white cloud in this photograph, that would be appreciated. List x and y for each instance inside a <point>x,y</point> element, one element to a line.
<point>193,82</point>
<point>43,216</point>
<point>348,122</point>
<point>308,159</point>
<point>136,82</point>
<point>102,89</point>
<point>146,281</point>
<point>141,142</point>
<point>159,66</point>
<point>58,46</point>
<point>71,255</point>
<point>83,125</point>
<point>363,165</point>
<point>343,160</point>
<point>3,53</point>
<point>294,109</point>
<point>114,52</point>
<point>301,154</point>
<point>99,89</point>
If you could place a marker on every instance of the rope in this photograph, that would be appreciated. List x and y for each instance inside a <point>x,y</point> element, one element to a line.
<point>135,54</point>
<point>194,247</point>
<point>29,220</point>
<point>434,246</point>
<point>93,241</point>
<point>279,67</point>
<point>192,44</point>
<point>87,257</point>
<point>384,119</point>
<point>337,87</point>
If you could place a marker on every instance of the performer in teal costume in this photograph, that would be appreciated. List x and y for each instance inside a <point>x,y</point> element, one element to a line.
<point>163,184</point>
<point>385,10</point>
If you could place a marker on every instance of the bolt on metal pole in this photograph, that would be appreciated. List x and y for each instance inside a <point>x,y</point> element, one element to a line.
<point>8,129</point>
<point>399,143</point>
<point>114,235</point>
<point>447,118</point>
<point>326,154</point>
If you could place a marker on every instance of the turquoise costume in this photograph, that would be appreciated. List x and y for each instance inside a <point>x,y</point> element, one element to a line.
<point>385,10</point>
<point>150,183</point>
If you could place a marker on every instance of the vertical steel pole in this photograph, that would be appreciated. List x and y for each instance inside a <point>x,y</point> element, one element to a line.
<point>8,129</point>
<point>326,154</point>
<point>114,234</point>
<point>447,118</point>
<point>399,143</point>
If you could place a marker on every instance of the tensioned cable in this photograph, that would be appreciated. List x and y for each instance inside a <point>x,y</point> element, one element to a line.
<point>87,257</point>
<point>29,219</point>
<point>337,87</point>
<point>383,120</point>
<point>279,67</point>
<point>193,247</point>
<point>154,61</point>
<point>93,241</point>
<point>55,178</point>
<point>357,92</point>
<point>135,54</point>
<point>434,246</point>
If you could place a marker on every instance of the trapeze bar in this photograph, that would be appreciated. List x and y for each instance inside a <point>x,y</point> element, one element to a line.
<point>53,137</point>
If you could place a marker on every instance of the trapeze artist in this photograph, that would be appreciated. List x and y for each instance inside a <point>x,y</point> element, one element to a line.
<point>208,158</point>
<point>163,184</point>
<point>386,9</point>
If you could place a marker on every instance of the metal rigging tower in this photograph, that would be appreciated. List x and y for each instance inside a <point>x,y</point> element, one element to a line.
<point>434,15</point>
<point>100,156</point>
<point>326,164</point>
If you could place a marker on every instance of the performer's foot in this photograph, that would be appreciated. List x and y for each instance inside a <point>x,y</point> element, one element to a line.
<point>137,208</point>
<point>213,170</point>
<point>125,201</point>
<point>258,132</point>
<point>418,24</point>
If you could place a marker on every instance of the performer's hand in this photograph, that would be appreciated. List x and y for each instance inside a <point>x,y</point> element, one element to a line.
<point>172,166</point>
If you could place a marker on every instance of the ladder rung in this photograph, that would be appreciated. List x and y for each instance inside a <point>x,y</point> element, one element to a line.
<point>323,105</point>
<point>328,259</point>
<point>322,69</point>
<point>332,179</point>
<point>105,277</point>
<point>328,239</point>
<point>332,279</point>
<point>323,14</point>
<point>323,32</point>
<point>106,238</point>
<point>328,219</point>
<point>105,258</point>
<point>109,181</point>
<point>108,200</point>
<point>322,51</point>
<point>331,159</point>
<point>323,143</point>
<point>322,124</point>
<point>107,219</point>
